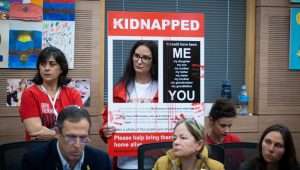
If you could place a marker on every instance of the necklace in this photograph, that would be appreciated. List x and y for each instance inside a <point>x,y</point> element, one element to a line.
<point>52,101</point>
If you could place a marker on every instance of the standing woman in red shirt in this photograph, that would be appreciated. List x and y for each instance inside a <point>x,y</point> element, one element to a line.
<point>41,103</point>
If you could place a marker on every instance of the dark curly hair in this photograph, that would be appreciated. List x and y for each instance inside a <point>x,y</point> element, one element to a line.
<point>60,58</point>
<point>222,108</point>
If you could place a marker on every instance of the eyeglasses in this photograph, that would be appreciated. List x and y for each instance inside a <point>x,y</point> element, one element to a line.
<point>145,58</point>
<point>72,139</point>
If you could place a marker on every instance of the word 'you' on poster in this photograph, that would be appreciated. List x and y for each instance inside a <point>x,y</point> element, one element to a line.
<point>173,58</point>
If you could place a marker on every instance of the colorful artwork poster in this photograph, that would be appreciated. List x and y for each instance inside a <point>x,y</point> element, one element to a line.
<point>84,87</point>
<point>4,39</point>
<point>36,2</point>
<point>26,10</point>
<point>294,51</point>
<point>60,1</point>
<point>59,11</point>
<point>4,9</point>
<point>24,47</point>
<point>60,34</point>
<point>14,90</point>
<point>295,1</point>
<point>180,42</point>
<point>25,42</point>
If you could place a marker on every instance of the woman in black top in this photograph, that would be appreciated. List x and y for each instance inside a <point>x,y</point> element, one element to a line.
<point>276,151</point>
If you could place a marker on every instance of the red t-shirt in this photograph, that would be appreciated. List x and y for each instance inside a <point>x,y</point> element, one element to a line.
<point>229,138</point>
<point>35,103</point>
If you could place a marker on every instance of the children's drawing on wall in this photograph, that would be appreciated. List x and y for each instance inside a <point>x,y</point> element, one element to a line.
<point>83,85</point>
<point>4,37</point>
<point>294,52</point>
<point>59,10</point>
<point>4,8</point>
<point>27,10</point>
<point>60,34</point>
<point>21,30</point>
<point>295,1</point>
<point>25,41</point>
<point>14,90</point>
<point>24,47</point>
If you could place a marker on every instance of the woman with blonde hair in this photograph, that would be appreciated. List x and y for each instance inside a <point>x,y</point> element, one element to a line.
<point>188,151</point>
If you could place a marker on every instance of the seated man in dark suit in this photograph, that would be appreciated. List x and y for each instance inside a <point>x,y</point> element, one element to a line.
<point>70,150</point>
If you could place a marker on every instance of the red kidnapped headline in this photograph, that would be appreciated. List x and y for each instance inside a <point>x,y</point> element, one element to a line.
<point>121,23</point>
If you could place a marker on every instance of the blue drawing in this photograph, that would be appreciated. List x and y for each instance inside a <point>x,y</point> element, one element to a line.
<point>24,47</point>
<point>294,52</point>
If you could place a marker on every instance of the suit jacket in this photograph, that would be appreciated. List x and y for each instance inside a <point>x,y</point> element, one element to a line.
<point>46,157</point>
<point>171,162</point>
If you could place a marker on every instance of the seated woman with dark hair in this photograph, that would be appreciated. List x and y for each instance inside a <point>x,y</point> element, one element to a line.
<point>221,117</point>
<point>189,151</point>
<point>276,151</point>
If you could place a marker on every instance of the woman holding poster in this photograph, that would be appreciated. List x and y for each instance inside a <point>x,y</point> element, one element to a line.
<point>137,85</point>
<point>189,151</point>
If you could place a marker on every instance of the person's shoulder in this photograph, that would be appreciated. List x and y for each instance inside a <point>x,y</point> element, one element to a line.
<point>120,86</point>
<point>39,150</point>
<point>162,163</point>
<point>249,164</point>
<point>96,158</point>
<point>69,89</point>
<point>161,159</point>
<point>231,137</point>
<point>119,92</point>
<point>70,92</point>
<point>91,151</point>
<point>208,140</point>
<point>214,164</point>
<point>32,89</point>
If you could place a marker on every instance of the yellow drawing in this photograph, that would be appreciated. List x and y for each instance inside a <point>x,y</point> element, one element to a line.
<point>298,53</point>
<point>298,18</point>
<point>24,37</point>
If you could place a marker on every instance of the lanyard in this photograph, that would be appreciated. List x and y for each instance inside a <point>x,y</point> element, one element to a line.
<point>50,99</point>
